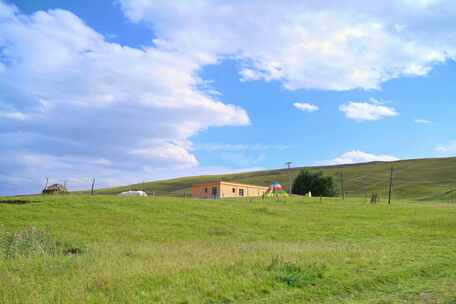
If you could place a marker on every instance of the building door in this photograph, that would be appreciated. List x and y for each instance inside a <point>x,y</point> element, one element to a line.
<point>214,192</point>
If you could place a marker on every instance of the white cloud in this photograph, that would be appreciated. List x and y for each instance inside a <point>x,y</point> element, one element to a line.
<point>362,111</point>
<point>423,121</point>
<point>306,107</point>
<point>76,96</point>
<point>361,44</point>
<point>13,115</point>
<point>168,153</point>
<point>447,149</point>
<point>357,156</point>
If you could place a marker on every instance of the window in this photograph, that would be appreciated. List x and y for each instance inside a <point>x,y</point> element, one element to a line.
<point>241,192</point>
<point>234,190</point>
<point>205,190</point>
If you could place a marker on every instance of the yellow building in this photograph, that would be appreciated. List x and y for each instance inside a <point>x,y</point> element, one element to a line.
<point>221,189</point>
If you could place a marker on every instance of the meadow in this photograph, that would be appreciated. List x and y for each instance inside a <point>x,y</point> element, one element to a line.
<point>419,179</point>
<point>107,249</point>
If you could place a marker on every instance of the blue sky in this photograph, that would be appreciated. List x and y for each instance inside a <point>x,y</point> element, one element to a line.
<point>129,90</point>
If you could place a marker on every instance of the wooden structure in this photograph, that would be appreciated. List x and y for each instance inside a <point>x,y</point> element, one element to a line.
<point>55,189</point>
<point>220,189</point>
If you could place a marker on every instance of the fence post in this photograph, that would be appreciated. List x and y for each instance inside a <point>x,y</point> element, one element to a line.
<point>93,185</point>
<point>390,185</point>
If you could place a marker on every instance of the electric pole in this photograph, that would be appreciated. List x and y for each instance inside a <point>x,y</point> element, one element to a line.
<point>390,185</point>
<point>93,185</point>
<point>46,184</point>
<point>289,176</point>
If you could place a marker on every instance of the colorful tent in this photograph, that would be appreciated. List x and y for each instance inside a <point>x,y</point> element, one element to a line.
<point>275,190</point>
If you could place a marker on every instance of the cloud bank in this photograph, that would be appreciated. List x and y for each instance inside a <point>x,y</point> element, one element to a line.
<point>309,44</point>
<point>69,98</point>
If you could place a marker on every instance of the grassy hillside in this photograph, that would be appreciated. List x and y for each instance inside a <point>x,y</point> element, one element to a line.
<point>107,249</point>
<point>428,179</point>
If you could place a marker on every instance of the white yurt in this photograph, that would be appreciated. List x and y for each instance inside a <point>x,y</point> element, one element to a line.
<point>133,193</point>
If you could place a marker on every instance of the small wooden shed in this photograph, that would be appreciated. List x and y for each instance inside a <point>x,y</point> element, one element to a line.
<point>55,189</point>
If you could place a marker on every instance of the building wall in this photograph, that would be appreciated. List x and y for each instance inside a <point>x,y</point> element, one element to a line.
<point>205,190</point>
<point>227,190</point>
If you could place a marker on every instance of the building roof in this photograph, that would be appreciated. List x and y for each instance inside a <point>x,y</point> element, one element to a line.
<point>56,187</point>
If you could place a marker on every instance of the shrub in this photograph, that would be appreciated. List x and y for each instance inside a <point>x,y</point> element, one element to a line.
<point>29,242</point>
<point>316,183</point>
<point>34,242</point>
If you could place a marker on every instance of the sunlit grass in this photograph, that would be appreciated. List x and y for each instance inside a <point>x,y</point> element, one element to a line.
<point>170,250</point>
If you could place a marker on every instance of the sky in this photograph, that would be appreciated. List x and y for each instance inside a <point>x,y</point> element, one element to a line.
<point>127,91</point>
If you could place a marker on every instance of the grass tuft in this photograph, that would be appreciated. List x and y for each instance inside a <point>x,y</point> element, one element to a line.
<point>294,275</point>
<point>32,242</point>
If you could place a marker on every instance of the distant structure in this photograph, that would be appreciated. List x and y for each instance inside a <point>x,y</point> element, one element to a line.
<point>55,189</point>
<point>133,193</point>
<point>275,190</point>
<point>219,189</point>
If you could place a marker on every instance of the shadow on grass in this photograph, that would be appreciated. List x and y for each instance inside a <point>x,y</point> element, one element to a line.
<point>15,202</point>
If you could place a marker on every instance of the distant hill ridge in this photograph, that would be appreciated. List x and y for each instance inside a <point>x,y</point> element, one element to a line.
<point>427,179</point>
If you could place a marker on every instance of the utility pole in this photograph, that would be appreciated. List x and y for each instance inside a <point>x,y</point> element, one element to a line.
<point>289,176</point>
<point>46,184</point>
<point>93,185</point>
<point>390,185</point>
<point>342,184</point>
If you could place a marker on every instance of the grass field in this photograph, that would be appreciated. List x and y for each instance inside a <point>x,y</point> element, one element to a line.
<point>420,179</point>
<point>106,249</point>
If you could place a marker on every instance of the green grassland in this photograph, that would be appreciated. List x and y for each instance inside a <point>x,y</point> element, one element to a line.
<point>108,249</point>
<point>420,179</point>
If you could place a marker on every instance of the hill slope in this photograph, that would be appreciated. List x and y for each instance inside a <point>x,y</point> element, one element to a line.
<point>433,179</point>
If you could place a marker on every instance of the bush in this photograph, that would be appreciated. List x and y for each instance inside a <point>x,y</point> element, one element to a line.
<point>27,243</point>
<point>316,183</point>
<point>32,242</point>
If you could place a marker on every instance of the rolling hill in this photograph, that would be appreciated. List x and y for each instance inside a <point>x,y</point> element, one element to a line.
<point>421,179</point>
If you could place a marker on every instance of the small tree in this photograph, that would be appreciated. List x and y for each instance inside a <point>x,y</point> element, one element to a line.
<point>316,183</point>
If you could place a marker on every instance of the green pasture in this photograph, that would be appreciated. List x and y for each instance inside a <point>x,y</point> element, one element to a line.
<point>107,249</point>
